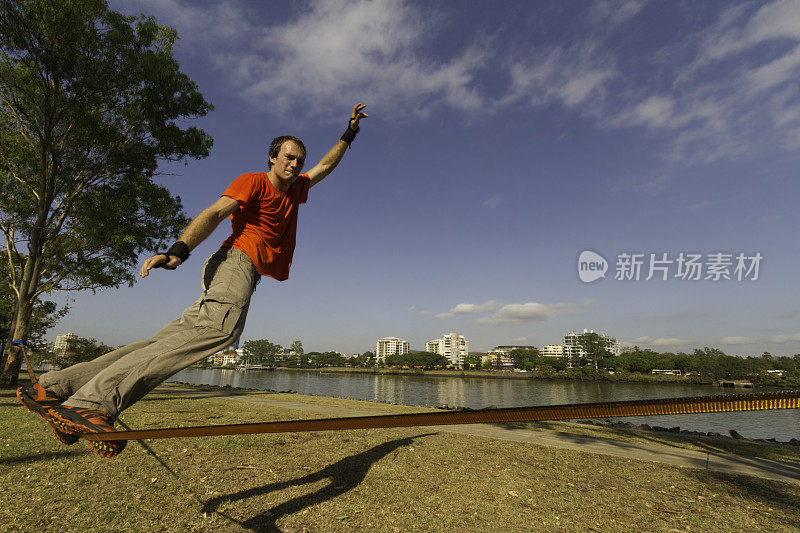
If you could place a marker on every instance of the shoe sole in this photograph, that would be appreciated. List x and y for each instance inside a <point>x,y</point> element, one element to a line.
<point>107,449</point>
<point>66,438</point>
<point>43,412</point>
<point>102,448</point>
<point>65,425</point>
<point>31,404</point>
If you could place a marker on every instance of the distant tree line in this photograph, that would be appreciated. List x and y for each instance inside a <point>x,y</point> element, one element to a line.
<point>423,360</point>
<point>707,362</point>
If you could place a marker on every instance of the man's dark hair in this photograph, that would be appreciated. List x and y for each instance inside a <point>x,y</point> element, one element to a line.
<point>277,142</point>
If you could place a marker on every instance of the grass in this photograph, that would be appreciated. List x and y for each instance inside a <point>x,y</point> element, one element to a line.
<point>405,479</point>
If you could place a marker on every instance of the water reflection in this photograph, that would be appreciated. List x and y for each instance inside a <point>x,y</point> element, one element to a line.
<point>478,393</point>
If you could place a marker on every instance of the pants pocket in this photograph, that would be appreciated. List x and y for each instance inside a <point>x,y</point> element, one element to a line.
<point>221,316</point>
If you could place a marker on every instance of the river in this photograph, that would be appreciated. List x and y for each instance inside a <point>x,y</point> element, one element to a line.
<point>477,393</point>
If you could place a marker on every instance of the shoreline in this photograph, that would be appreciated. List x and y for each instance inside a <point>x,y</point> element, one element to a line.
<point>650,379</point>
<point>489,374</point>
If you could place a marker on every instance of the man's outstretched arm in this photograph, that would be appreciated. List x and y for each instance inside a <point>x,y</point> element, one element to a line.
<point>335,154</point>
<point>196,232</point>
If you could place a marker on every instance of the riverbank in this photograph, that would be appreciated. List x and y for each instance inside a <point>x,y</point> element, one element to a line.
<point>578,374</point>
<point>571,374</point>
<point>424,479</point>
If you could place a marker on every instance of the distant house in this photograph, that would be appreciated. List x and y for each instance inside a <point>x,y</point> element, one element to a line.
<point>666,372</point>
<point>227,358</point>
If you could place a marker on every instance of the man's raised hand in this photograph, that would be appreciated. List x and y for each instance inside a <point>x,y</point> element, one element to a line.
<point>357,115</point>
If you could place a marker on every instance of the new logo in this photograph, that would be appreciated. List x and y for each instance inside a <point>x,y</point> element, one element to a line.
<point>591,266</point>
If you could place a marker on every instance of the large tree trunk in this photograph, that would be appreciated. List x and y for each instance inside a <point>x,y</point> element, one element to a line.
<point>20,332</point>
<point>7,340</point>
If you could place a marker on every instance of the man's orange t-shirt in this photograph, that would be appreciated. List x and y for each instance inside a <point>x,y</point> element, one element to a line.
<point>265,224</point>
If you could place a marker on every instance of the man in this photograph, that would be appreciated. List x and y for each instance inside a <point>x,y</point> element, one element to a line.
<point>263,207</point>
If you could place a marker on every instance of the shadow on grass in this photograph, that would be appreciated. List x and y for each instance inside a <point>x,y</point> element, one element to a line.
<point>343,475</point>
<point>716,454</point>
<point>768,493</point>
<point>44,456</point>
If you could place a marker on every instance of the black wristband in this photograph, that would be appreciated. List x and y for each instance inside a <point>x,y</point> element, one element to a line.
<point>349,134</point>
<point>179,250</point>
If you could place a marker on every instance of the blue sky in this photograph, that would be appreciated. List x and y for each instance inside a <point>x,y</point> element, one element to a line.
<point>504,139</point>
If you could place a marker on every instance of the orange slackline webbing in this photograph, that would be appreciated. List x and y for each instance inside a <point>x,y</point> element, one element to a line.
<point>671,406</point>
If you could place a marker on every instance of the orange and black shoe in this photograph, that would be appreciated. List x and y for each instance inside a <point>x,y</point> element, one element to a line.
<point>38,400</point>
<point>78,421</point>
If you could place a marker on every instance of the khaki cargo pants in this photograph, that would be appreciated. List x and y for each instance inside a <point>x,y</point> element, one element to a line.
<point>115,381</point>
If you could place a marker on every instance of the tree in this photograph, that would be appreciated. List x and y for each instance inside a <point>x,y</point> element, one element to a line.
<point>80,350</point>
<point>90,102</point>
<point>472,362</point>
<point>525,358</point>
<point>45,315</point>
<point>261,351</point>
<point>329,359</point>
<point>297,347</point>
<point>595,345</point>
<point>365,359</point>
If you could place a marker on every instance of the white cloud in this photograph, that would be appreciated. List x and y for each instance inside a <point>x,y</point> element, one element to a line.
<point>492,202</point>
<point>737,340</point>
<point>467,308</point>
<point>783,339</point>
<point>718,95</point>
<point>338,51</point>
<point>659,341</point>
<point>570,76</point>
<point>515,314</point>
<point>775,20</point>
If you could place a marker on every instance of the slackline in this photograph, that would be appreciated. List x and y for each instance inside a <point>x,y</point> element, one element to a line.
<point>670,406</point>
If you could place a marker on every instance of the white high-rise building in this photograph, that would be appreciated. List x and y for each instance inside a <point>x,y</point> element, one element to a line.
<point>453,346</point>
<point>389,346</point>
<point>63,343</point>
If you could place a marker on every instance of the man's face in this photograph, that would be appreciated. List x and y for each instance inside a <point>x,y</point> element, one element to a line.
<point>289,163</point>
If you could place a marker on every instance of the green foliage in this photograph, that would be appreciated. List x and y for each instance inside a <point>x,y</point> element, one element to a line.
<point>424,360</point>
<point>711,363</point>
<point>524,358</point>
<point>90,103</point>
<point>365,359</point>
<point>472,362</point>
<point>329,359</point>
<point>261,352</point>
<point>80,350</point>
<point>596,346</point>
<point>297,347</point>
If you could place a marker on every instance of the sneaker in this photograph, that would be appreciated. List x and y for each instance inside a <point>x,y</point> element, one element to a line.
<point>78,421</point>
<point>38,400</point>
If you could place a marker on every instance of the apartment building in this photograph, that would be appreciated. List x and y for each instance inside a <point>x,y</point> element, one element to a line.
<point>552,350</point>
<point>453,346</point>
<point>505,350</point>
<point>389,346</point>
<point>63,343</point>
